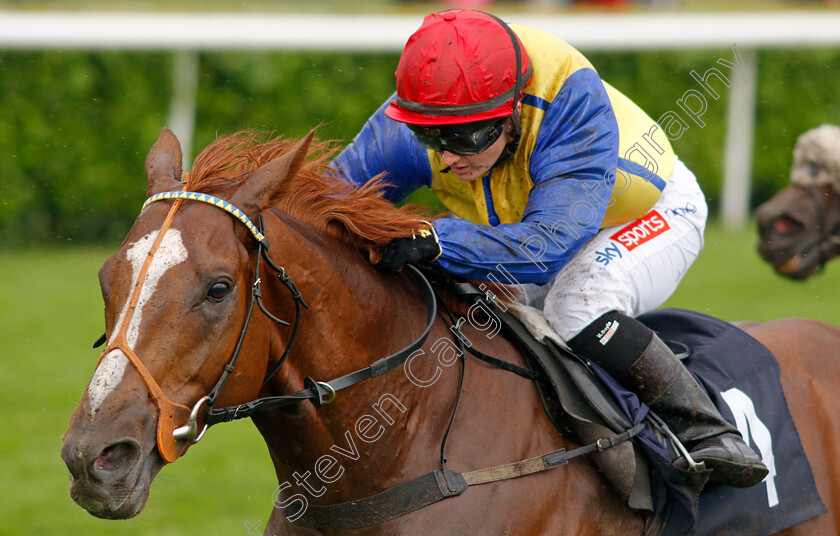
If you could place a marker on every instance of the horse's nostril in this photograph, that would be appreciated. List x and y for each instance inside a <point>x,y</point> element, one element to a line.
<point>115,456</point>
<point>784,225</point>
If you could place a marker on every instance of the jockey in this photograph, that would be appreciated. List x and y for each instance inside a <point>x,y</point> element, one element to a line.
<point>559,183</point>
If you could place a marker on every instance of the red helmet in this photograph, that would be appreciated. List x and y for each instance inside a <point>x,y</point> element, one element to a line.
<point>460,66</point>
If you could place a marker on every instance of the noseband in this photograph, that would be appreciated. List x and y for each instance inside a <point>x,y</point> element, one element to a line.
<point>827,237</point>
<point>168,435</point>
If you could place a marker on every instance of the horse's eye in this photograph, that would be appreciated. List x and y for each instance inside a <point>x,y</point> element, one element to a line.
<point>218,291</point>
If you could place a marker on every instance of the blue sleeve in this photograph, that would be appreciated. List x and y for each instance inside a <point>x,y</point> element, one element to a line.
<point>572,168</point>
<point>385,145</point>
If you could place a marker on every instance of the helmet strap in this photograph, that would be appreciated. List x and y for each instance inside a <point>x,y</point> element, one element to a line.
<point>513,141</point>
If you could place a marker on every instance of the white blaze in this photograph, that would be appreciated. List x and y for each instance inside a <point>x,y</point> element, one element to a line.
<point>110,371</point>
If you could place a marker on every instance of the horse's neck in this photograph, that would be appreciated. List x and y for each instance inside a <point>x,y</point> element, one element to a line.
<point>357,314</point>
<point>389,429</point>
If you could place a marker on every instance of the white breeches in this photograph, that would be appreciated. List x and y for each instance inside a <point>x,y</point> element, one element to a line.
<point>631,268</point>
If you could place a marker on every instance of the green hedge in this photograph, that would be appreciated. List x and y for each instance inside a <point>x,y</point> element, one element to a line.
<point>75,127</point>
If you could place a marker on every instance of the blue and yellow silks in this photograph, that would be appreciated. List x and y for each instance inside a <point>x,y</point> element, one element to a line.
<point>589,158</point>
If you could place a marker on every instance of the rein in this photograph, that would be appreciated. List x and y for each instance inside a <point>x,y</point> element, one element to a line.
<point>444,483</point>
<point>315,390</point>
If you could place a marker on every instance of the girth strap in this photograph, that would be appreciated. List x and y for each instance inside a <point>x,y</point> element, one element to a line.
<point>438,485</point>
<point>389,504</point>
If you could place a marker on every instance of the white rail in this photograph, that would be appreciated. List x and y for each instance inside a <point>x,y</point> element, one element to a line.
<point>145,30</point>
<point>187,33</point>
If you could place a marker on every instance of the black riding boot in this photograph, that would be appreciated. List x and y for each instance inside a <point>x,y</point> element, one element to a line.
<point>636,357</point>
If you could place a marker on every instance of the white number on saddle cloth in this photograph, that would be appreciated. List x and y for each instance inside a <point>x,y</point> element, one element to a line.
<point>748,424</point>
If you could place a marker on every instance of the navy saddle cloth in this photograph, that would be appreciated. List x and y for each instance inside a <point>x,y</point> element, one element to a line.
<point>743,379</point>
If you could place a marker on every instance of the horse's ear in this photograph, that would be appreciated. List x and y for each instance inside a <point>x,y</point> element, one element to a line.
<point>163,164</point>
<point>252,197</point>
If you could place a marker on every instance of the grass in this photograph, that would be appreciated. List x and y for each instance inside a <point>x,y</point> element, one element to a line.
<point>730,281</point>
<point>50,313</point>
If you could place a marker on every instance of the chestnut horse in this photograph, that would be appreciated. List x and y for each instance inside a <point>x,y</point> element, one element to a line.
<point>178,297</point>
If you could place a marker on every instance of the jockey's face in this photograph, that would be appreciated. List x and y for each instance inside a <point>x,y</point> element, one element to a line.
<point>469,167</point>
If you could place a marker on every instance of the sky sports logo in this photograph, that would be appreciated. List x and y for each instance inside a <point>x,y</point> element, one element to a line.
<point>640,231</point>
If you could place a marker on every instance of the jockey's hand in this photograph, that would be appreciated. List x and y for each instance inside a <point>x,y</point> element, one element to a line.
<point>420,248</point>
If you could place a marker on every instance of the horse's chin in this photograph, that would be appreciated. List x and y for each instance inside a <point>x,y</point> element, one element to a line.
<point>792,256</point>
<point>109,504</point>
<point>122,500</point>
<point>798,267</point>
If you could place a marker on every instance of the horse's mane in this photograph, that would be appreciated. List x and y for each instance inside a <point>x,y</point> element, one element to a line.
<point>316,195</point>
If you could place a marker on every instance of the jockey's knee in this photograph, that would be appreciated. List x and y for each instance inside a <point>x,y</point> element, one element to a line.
<point>613,340</point>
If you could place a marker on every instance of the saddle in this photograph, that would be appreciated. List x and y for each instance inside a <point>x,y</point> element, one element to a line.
<point>578,404</point>
<point>585,403</point>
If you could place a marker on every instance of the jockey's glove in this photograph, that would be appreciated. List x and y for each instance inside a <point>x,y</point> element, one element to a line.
<point>421,247</point>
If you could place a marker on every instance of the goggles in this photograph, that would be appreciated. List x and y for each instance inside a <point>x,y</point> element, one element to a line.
<point>464,139</point>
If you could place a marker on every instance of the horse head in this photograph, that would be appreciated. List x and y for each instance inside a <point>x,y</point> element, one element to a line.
<point>182,276</point>
<point>799,227</point>
<point>194,309</point>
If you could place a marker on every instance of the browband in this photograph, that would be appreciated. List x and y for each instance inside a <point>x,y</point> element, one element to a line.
<point>209,199</point>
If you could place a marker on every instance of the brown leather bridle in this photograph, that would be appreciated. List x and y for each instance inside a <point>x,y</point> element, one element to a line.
<point>168,435</point>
